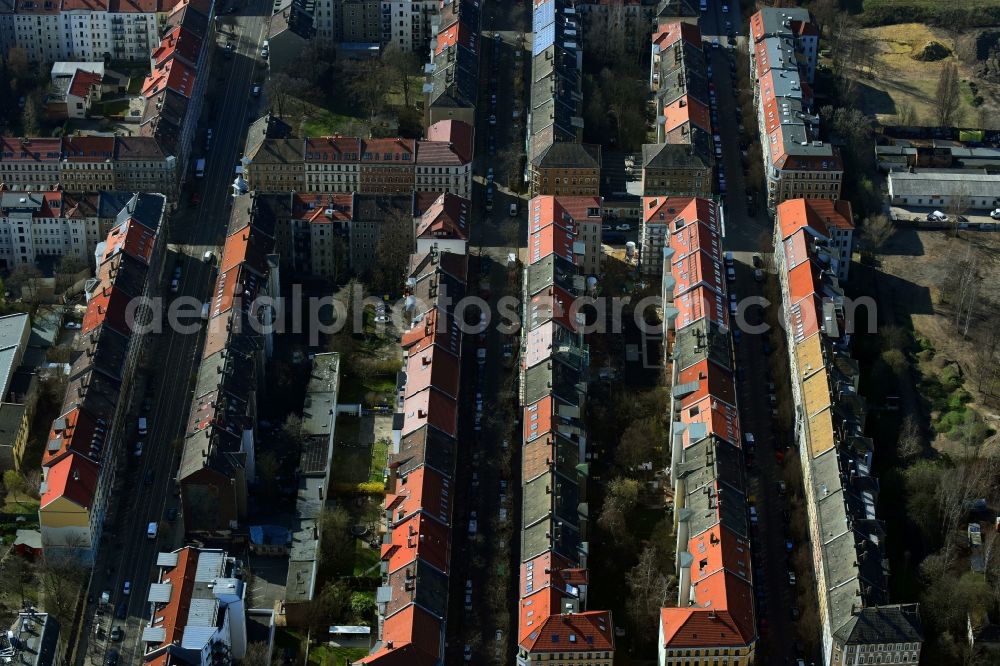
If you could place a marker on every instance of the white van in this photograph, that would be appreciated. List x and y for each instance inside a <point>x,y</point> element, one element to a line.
<point>204,310</point>
<point>209,257</point>
<point>199,168</point>
<point>143,426</point>
<point>151,530</point>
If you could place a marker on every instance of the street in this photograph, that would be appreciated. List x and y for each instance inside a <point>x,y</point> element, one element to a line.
<point>147,487</point>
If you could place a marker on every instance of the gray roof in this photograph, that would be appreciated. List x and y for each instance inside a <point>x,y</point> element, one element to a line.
<point>700,340</point>
<point>425,446</point>
<point>713,465</point>
<point>554,270</point>
<point>775,19</point>
<point>674,156</point>
<point>896,623</point>
<point>570,155</point>
<point>947,182</point>
<point>319,412</point>
<point>560,380</point>
<point>37,637</point>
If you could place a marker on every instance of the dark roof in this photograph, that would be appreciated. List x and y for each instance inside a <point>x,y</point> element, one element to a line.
<point>147,209</point>
<point>898,623</point>
<point>562,154</point>
<point>672,156</point>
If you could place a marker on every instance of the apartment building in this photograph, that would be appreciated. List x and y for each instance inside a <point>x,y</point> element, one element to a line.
<point>662,216</point>
<point>451,86</point>
<point>416,552</point>
<point>80,458</point>
<point>174,91</point>
<point>578,228</point>
<point>292,27</point>
<point>618,26</point>
<point>87,163</point>
<point>558,163</point>
<point>714,620</point>
<point>846,538</point>
<point>828,223</point>
<point>782,61</point>
<point>217,460</point>
<point>30,164</point>
<point>341,165</point>
<point>680,164</point>
<point>197,609</point>
<point>360,22</point>
<point>409,24</point>
<point>554,623</point>
<point>444,225</point>
<point>51,30</point>
<point>44,224</point>
<point>673,11</point>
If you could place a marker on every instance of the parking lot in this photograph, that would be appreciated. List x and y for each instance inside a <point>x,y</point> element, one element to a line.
<point>925,217</point>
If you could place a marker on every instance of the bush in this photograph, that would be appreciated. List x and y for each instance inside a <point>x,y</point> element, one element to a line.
<point>958,399</point>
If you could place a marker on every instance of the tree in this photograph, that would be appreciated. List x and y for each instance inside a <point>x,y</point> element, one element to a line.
<point>24,279</point>
<point>947,95</point>
<point>336,540</point>
<point>363,607</point>
<point>906,116</point>
<point>877,231</point>
<point>17,577</point>
<point>267,472</point>
<point>370,86</point>
<point>910,444</point>
<point>401,65</point>
<point>621,498</point>
<point>292,429</point>
<point>30,119</point>
<point>330,604</point>
<point>61,581</point>
<point>392,252</point>
<point>649,591</point>
<point>639,444</point>
<point>257,654</point>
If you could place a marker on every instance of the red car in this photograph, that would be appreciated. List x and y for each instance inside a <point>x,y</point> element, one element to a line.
<point>195,198</point>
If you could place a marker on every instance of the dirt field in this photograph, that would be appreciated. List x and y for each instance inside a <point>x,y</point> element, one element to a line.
<point>921,262</point>
<point>900,80</point>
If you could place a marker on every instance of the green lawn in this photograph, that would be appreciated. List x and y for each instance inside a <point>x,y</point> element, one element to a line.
<point>317,121</point>
<point>364,558</point>
<point>115,107</point>
<point>335,656</point>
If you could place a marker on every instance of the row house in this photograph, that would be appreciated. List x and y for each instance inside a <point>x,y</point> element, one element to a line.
<point>197,609</point>
<point>680,164</point>
<point>558,163</point>
<point>217,460</point>
<point>451,76</point>
<point>554,623</point>
<point>444,224</point>
<point>86,440</point>
<point>174,91</point>
<point>421,473</point>
<point>796,164</point>
<point>83,30</point>
<point>341,165</point>
<point>660,216</point>
<point>580,217</point>
<point>846,539</point>
<point>88,164</point>
<point>714,617</point>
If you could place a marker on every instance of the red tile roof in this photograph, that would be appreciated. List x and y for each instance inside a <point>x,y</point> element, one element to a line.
<point>572,632</point>
<point>459,134</point>
<point>132,238</point>
<point>552,303</point>
<point>538,417</point>
<point>713,381</point>
<point>430,407</point>
<point>108,306</point>
<point>332,149</point>
<point>671,33</point>
<point>820,215</point>
<point>418,537</point>
<point>88,148</point>
<point>697,268</point>
<point>30,150</point>
<point>177,42</point>
<point>447,217</point>
<point>77,435</point>
<point>411,637</point>
<point>322,208</point>
<point>701,302</point>
<point>82,84</point>
<point>801,282</point>
<point>74,478</point>
<point>386,151</point>
<point>686,109</point>
<point>432,367</point>
<point>92,5</point>
<point>174,75</point>
<point>721,420</point>
<point>175,612</point>
<point>424,489</point>
<point>434,329</point>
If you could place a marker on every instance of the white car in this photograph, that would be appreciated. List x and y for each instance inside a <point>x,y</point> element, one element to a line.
<point>493,119</point>
<point>791,578</point>
<point>513,210</point>
<point>467,652</point>
<point>73,325</point>
<point>937,216</point>
<point>127,588</point>
<point>728,258</point>
<point>995,213</point>
<point>730,274</point>
<point>753,515</point>
<point>138,449</point>
<point>473,523</point>
<point>725,9</point>
<point>733,305</point>
<point>623,227</point>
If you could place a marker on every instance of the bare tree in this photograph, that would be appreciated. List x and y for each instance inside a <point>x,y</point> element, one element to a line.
<point>30,118</point>
<point>392,253</point>
<point>257,654</point>
<point>370,86</point>
<point>877,231</point>
<point>910,444</point>
<point>947,95</point>
<point>23,281</point>
<point>649,591</point>
<point>401,65</point>
<point>906,116</point>
<point>621,498</point>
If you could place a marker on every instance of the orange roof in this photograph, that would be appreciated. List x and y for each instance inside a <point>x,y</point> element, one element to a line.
<point>177,42</point>
<point>423,489</point>
<point>108,306</point>
<point>30,150</point>
<point>436,328</point>
<point>716,549</point>
<point>712,380</point>
<point>670,33</point>
<point>572,632</point>
<point>458,133</point>
<point>74,478</point>
<point>805,317</point>
<point>411,637</point>
<point>172,75</point>
<point>697,268</point>
<point>545,236</point>
<point>234,252</point>
<point>432,367</point>
<point>801,282</point>
<point>388,151</point>
<point>132,238</point>
<point>554,303</point>
<point>418,537</point>
<point>447,217</point>
<point>535,608</point>
<point>686,109</point>
<point>333,149</point>
<point>88,148</point>
<point>721,420</point>
<point>700,303</point>
<point>73,431</point>
<point>820,215</point>
<point>181,578</point>
<point>432,407</point>
<point>538,417</point>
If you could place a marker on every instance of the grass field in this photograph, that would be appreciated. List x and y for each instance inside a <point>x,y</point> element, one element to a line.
<point>955,14</point>
<point>899,80</point>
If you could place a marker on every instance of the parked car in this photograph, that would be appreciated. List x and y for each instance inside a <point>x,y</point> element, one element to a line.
<point>127,588</point>
<point>623,227</point>
<point>255,90</point>
<point>138,449</point>
<point>117,634</point>
<point>791,578</point>
<point>473,522</point>
<point>111,659</point>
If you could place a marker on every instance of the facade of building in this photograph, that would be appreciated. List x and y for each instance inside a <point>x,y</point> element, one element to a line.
<point>79,461</point>
<point>409,24</point>
<point>217,460</point>
<point>416,551</point>
<point>621,26</point>
<point>197,609</point>
<point>554,624</point>
<point>827,223</point>
<point>782,62</point>
<point>674,169</point>
<point>845,536</point>
<point>51,30</point>
<point>661,216</point>
<point>578,219</point>
<point>444,225</point>
<point>451,83</point>
<point>558,163</point>
<point>714,620</point>
<point>30,164</point>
